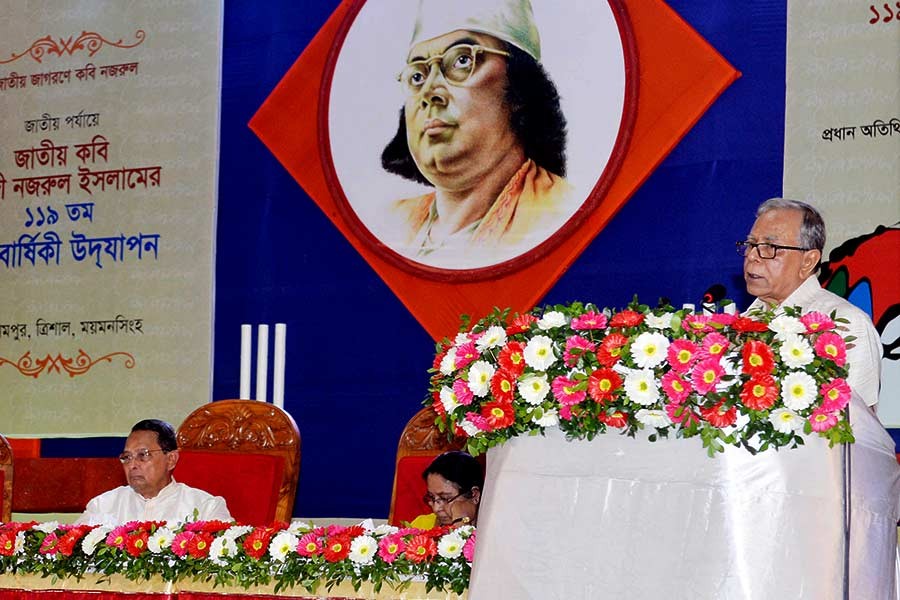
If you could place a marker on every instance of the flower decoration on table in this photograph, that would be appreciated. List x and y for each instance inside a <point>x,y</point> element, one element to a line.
<point>286,554</point>
<point>761,381</point>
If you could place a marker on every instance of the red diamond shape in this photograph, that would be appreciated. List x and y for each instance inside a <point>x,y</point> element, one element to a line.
<point>678,76</point>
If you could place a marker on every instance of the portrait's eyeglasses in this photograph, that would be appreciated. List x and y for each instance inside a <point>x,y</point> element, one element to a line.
<point>457,64</point>
<point>764,250</point>
<point>141,456</point>
<point>439,500</point>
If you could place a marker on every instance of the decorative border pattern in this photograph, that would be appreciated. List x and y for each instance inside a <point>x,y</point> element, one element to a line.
<point>79,365</point>
<point>88,40</point>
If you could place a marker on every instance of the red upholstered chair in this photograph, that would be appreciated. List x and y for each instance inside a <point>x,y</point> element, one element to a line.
<point>6,480</point>
<point>420,443</point>
<point>246,451</point>
<point>62,485</point>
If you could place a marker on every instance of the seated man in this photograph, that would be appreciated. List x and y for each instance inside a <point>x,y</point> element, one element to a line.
<point>150,456</point>
<point>454,481</point>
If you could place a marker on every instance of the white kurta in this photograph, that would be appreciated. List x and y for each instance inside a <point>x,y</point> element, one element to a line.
<point>174,503</point>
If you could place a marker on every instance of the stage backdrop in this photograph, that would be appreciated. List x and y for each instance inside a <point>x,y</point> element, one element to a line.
<point>108,174</point>
<point>842,154</point>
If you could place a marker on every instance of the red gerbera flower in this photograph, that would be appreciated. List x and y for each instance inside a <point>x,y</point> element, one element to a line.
<point>136,543</point>
<point>337,548</point>
<point>420,548</point>
<point>719,415</point>
<point>610,349</point>
<point>198,546</point>
<point>503,386</point>
<point>626,318</point>
<point>602,384</point>
<point>760,392</point>
<point>512,358</point>
<point>758,358</point>
<point>520,324</point>
<point>747,325</point>
<point>498,414</point>
<point>7,543</point>
<point>617,419</point>
<point>257,542</point>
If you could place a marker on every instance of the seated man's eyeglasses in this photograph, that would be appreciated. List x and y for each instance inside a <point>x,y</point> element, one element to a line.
<point>440,500</point>
<point>140,456</point>
<point>764,250</point>
<point>457,64</point>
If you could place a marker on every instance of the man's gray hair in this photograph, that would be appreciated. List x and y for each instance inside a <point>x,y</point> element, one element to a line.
<point>812,228</point>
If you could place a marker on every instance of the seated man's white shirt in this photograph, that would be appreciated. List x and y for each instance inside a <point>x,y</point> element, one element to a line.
<point>174,503</point>
<point>863,354</point>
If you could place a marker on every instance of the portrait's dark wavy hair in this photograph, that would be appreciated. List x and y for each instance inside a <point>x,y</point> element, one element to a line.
<point>535,117</point>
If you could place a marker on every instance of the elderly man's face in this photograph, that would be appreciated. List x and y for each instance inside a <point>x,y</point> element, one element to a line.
<point>148,478</point>
<point>457,132</point>
<point>773,280</point>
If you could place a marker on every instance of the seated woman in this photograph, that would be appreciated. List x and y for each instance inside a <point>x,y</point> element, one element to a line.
<point>454,480</point>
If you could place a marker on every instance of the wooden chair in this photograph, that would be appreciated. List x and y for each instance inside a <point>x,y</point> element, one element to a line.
<point>246,451</point>
<point>6,480</point>
<point>420,442</point>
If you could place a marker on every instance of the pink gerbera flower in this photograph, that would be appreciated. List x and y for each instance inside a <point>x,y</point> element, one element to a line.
<point>822,420</point>
<point>310,544</point>
<point>469,547</point>
<point>576,346</point>
<point>817,322</point>
<point>181,542</point>
<point>676,388</point>
<point>478,421</point>
<point>463,393</point>
<point>835,394</point>
<point>589,320</point>
<point>565,392</point>
<point>706,374</point>
<point>391,547</point>
<point>465,355</point>
<point>116,537</point>
<point>723,319</point>
<point>695,323</point>
<point>682,354</point>
<point>714,345</point>
<point>832,346</point>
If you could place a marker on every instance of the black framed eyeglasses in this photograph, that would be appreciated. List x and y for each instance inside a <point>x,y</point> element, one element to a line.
<point>439,500</point>
<point>457,64</point>
<point>764,249</point>
<point>140,456</point>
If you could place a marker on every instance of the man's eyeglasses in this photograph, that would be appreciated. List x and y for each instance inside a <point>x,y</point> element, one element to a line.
<point>141,456</point>
<point>457,64</point>
<point>764,250</point>
<point>439,500</point>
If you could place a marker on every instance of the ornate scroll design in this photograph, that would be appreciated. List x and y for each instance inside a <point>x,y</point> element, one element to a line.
<point>79,365</point>
<point>88,40</point>
<point>421,434</point>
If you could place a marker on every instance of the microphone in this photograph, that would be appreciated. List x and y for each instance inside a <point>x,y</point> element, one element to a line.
<point>715,293</point>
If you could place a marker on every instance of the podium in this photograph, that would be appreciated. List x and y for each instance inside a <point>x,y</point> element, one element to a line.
<point>620,517</point>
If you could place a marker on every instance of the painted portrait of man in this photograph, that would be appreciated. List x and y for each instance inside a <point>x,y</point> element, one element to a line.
<point>475,164</point>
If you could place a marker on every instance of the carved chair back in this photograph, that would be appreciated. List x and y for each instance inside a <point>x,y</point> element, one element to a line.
<point>221,436</point>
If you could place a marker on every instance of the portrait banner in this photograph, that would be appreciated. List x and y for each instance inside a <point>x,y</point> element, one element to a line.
<point>842,155</point>
<point>108,174</point>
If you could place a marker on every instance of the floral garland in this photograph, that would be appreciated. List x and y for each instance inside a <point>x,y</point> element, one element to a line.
<point>759,382</point>
<point>228,554</point>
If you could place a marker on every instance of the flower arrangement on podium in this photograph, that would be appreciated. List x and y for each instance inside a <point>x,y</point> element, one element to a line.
<point>761,381</point>
<point>228,554</point>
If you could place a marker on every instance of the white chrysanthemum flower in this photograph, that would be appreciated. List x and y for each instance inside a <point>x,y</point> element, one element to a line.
<point>538,353</point>
<point>480,374</point>
<point>494,337</point>
<point>298,526</point>
<point>653,417</point>
<point>48,527</point>
<point>448,363</point>
<point>385,529</point>
<point>236,531</point>
<point>649,349</point>
<point>283,544</point>
<point>94,537</point>
<point>784,325</point>
<point>545,418</point>
<point>469,427</point>
<point>461,338</point>
<point>641,387</point>
<point>363,549</point>
<point>798,390</point>
<point>221,548</point>
<point>795,351</point>
<point>663,321</point>
<point>534,388</point>
<point>784,420</point>
<point>451,545</point>
<point>448,399</point>
<point>19,546</point>
<point>551,320</point>
<point>160,540</point>
<point>464,531</point>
